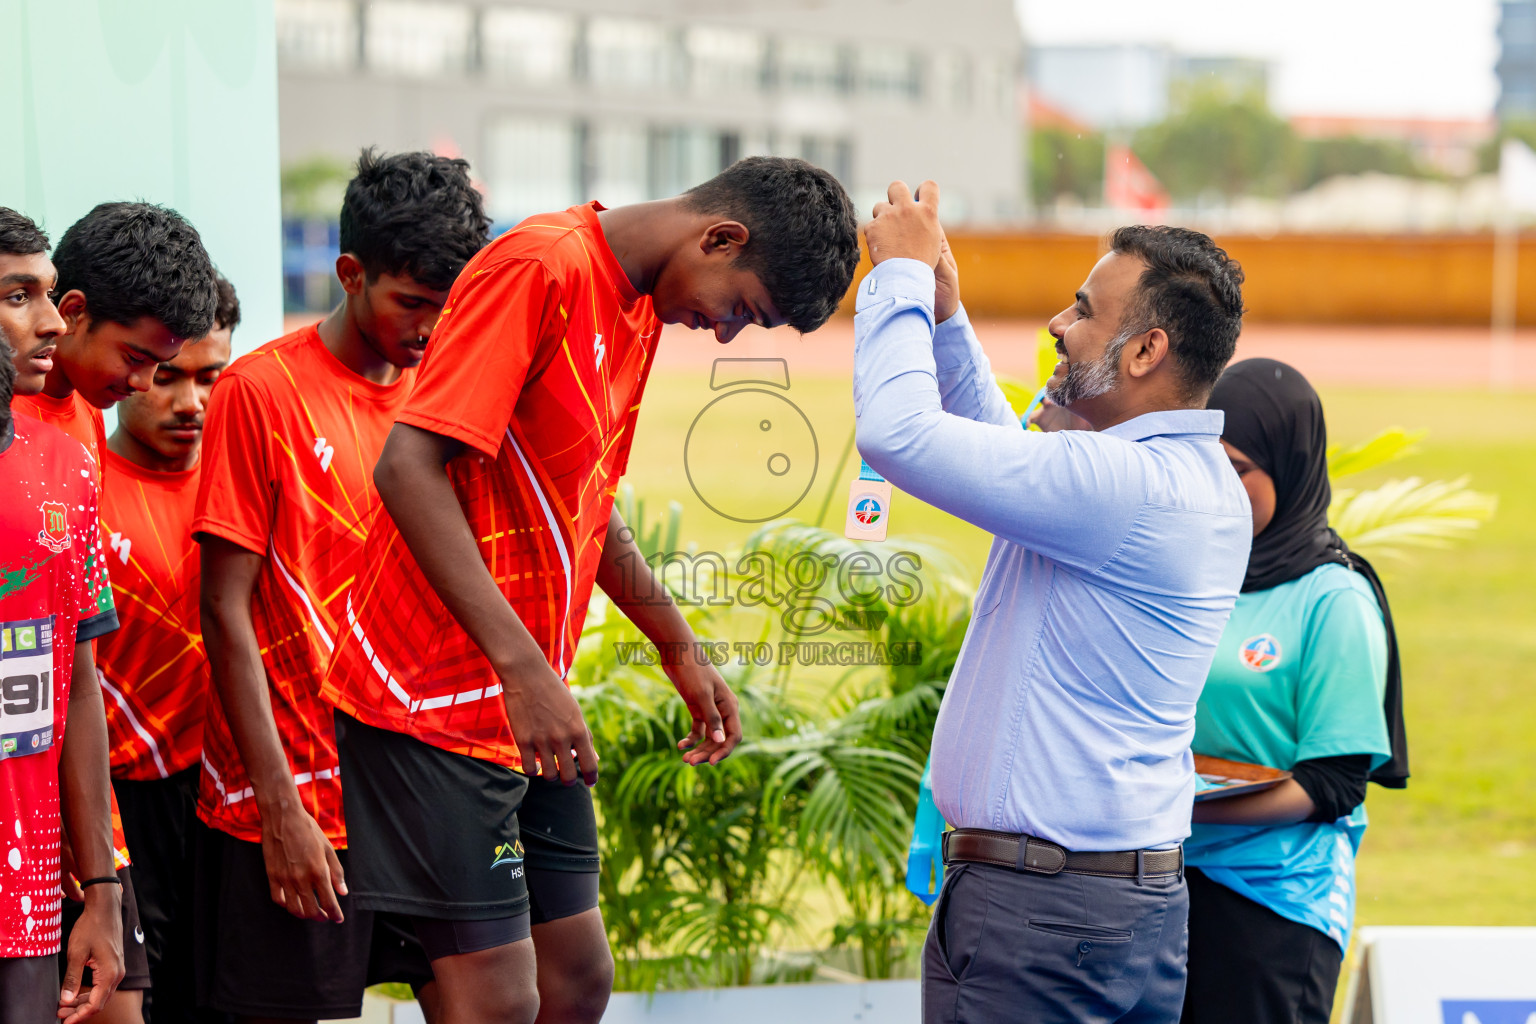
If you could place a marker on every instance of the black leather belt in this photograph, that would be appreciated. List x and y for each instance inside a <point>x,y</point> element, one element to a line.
<point>1043,857</point>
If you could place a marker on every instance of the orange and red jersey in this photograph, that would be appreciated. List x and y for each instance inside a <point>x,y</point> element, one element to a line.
<point>50,578</point>
<point>154,671</point>
<point>291,438</point>
<point>537,365</point>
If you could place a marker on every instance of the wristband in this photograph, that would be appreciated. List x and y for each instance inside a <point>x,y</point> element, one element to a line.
<point>101,881</point>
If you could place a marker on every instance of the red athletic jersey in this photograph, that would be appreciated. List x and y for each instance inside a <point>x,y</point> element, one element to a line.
<point>291,438</point>
<point>50,574</point>
<point>154,671</point>
<point>537,365</point>
<point>75,416</point>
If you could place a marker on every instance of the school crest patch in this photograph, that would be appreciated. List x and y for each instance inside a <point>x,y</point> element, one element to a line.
<point>55,532</point>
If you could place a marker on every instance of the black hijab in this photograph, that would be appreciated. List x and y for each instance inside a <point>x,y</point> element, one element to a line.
<point>1274,417</point>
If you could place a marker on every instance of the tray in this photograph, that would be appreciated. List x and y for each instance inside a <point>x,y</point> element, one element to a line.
<point>1235,778</point>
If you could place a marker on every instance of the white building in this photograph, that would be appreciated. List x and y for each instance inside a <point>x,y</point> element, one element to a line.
<point>555,102</point>
<point>1127,86</point>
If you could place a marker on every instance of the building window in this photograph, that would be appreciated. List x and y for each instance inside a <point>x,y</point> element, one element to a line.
<point>682,157</point>
<point>319,35</point>
<point>888,72</point>
<point>628,52</point>
<point>724,60</point>
<point>533,165</point>
<point>812,67</point>
<point>827,152</point>
<point>994,84</point>
<point>952,80</point>
<point>527,46</point>
<point>619,164</point>
<point>422,40</point>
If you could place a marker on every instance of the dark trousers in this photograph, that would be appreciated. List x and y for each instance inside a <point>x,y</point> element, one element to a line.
<point>1007,946</point>
<point>1247,963</point>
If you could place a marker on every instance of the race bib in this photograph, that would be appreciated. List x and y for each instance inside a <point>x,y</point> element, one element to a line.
<point>26,687</point>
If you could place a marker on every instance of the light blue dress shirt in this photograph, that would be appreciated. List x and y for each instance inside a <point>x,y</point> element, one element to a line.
<point>1116,560</point>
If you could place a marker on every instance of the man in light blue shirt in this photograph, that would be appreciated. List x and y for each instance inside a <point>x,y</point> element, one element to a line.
<point>1061,752</point>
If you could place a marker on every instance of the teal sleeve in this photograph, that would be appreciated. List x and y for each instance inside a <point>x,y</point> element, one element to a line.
<point>1343,679</point>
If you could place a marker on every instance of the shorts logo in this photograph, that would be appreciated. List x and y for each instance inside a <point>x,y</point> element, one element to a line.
<point>1260,653</point>
<point>55,532</point>
<point>510,854</point>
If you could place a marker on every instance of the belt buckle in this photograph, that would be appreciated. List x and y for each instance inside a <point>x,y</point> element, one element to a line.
<point>1040,856</point>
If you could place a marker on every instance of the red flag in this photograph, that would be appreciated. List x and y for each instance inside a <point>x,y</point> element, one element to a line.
<point>1128,185</point>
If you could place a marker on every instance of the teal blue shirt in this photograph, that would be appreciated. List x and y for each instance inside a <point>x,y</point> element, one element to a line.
<point>1299,673</point>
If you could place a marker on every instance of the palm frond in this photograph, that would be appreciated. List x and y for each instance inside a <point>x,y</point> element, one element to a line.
<point>1409,513</point>
<point>1387,446</point>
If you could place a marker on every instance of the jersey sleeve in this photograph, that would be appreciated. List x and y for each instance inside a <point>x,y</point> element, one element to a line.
<point>98,616</point>
<point>493,329</point>
<point>237,492</point>
<point>1343,676</point>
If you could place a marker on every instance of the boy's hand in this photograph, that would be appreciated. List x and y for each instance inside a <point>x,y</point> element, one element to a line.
<point>303,872</point>
<point>716,720</point>
<point>906,227</point>
<point>1051,417</point>
<point>96,942</point>
<point>551,734</point>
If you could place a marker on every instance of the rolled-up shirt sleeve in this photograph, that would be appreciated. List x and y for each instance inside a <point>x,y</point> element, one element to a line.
<point>1071,496</point>
<point>966,385</point>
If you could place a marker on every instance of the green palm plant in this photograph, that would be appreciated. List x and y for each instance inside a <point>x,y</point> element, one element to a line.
<point>1387,520</point>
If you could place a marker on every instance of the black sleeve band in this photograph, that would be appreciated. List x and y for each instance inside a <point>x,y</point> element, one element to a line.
<point>103,880</point>
<point>1336,785</point>
<point>97,625</point>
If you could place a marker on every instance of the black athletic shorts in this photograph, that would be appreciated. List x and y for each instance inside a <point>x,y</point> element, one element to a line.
<point>135,959</point>
<point>255,959</point>
<point>159,822</point>
<point>444,837</point>
<point>29,989</point>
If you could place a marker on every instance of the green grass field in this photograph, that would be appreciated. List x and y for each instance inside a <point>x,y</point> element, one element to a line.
<point>1459,846</point>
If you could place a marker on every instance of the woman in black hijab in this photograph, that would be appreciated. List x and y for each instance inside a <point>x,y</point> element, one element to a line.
<point>1305,678</point>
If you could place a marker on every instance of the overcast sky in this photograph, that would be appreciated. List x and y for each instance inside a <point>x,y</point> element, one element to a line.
<point>1419,58</point>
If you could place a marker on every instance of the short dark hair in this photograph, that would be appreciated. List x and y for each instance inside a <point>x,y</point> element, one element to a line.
<point>132,260</point>
<point>1191,289</point>
<point>803,239</point>
<point>19,234</point>
<point>226,312</point>
<point>413,213</point>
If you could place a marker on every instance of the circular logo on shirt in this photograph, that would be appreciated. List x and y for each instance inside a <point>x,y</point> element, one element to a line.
<point>867,510</point>
<point>1260,653</point>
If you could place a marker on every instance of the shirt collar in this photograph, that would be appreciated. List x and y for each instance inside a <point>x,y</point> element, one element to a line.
<point>1169,421</point>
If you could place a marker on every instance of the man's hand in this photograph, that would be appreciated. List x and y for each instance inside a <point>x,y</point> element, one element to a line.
<point>302,869</point>
<point>946,283</point>
<point>716,720</point>
<point>906,227</point>
<point>96,942</point>
<point>552,736</point>
<point>1051,417</point>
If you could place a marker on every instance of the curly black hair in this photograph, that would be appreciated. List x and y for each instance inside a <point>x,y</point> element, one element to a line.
<point>19,234</point>
<point>1191,289</point>
<point>415,214</point>
<point>803,239</point>
<point>132,260</point>
<point>226,314</point>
